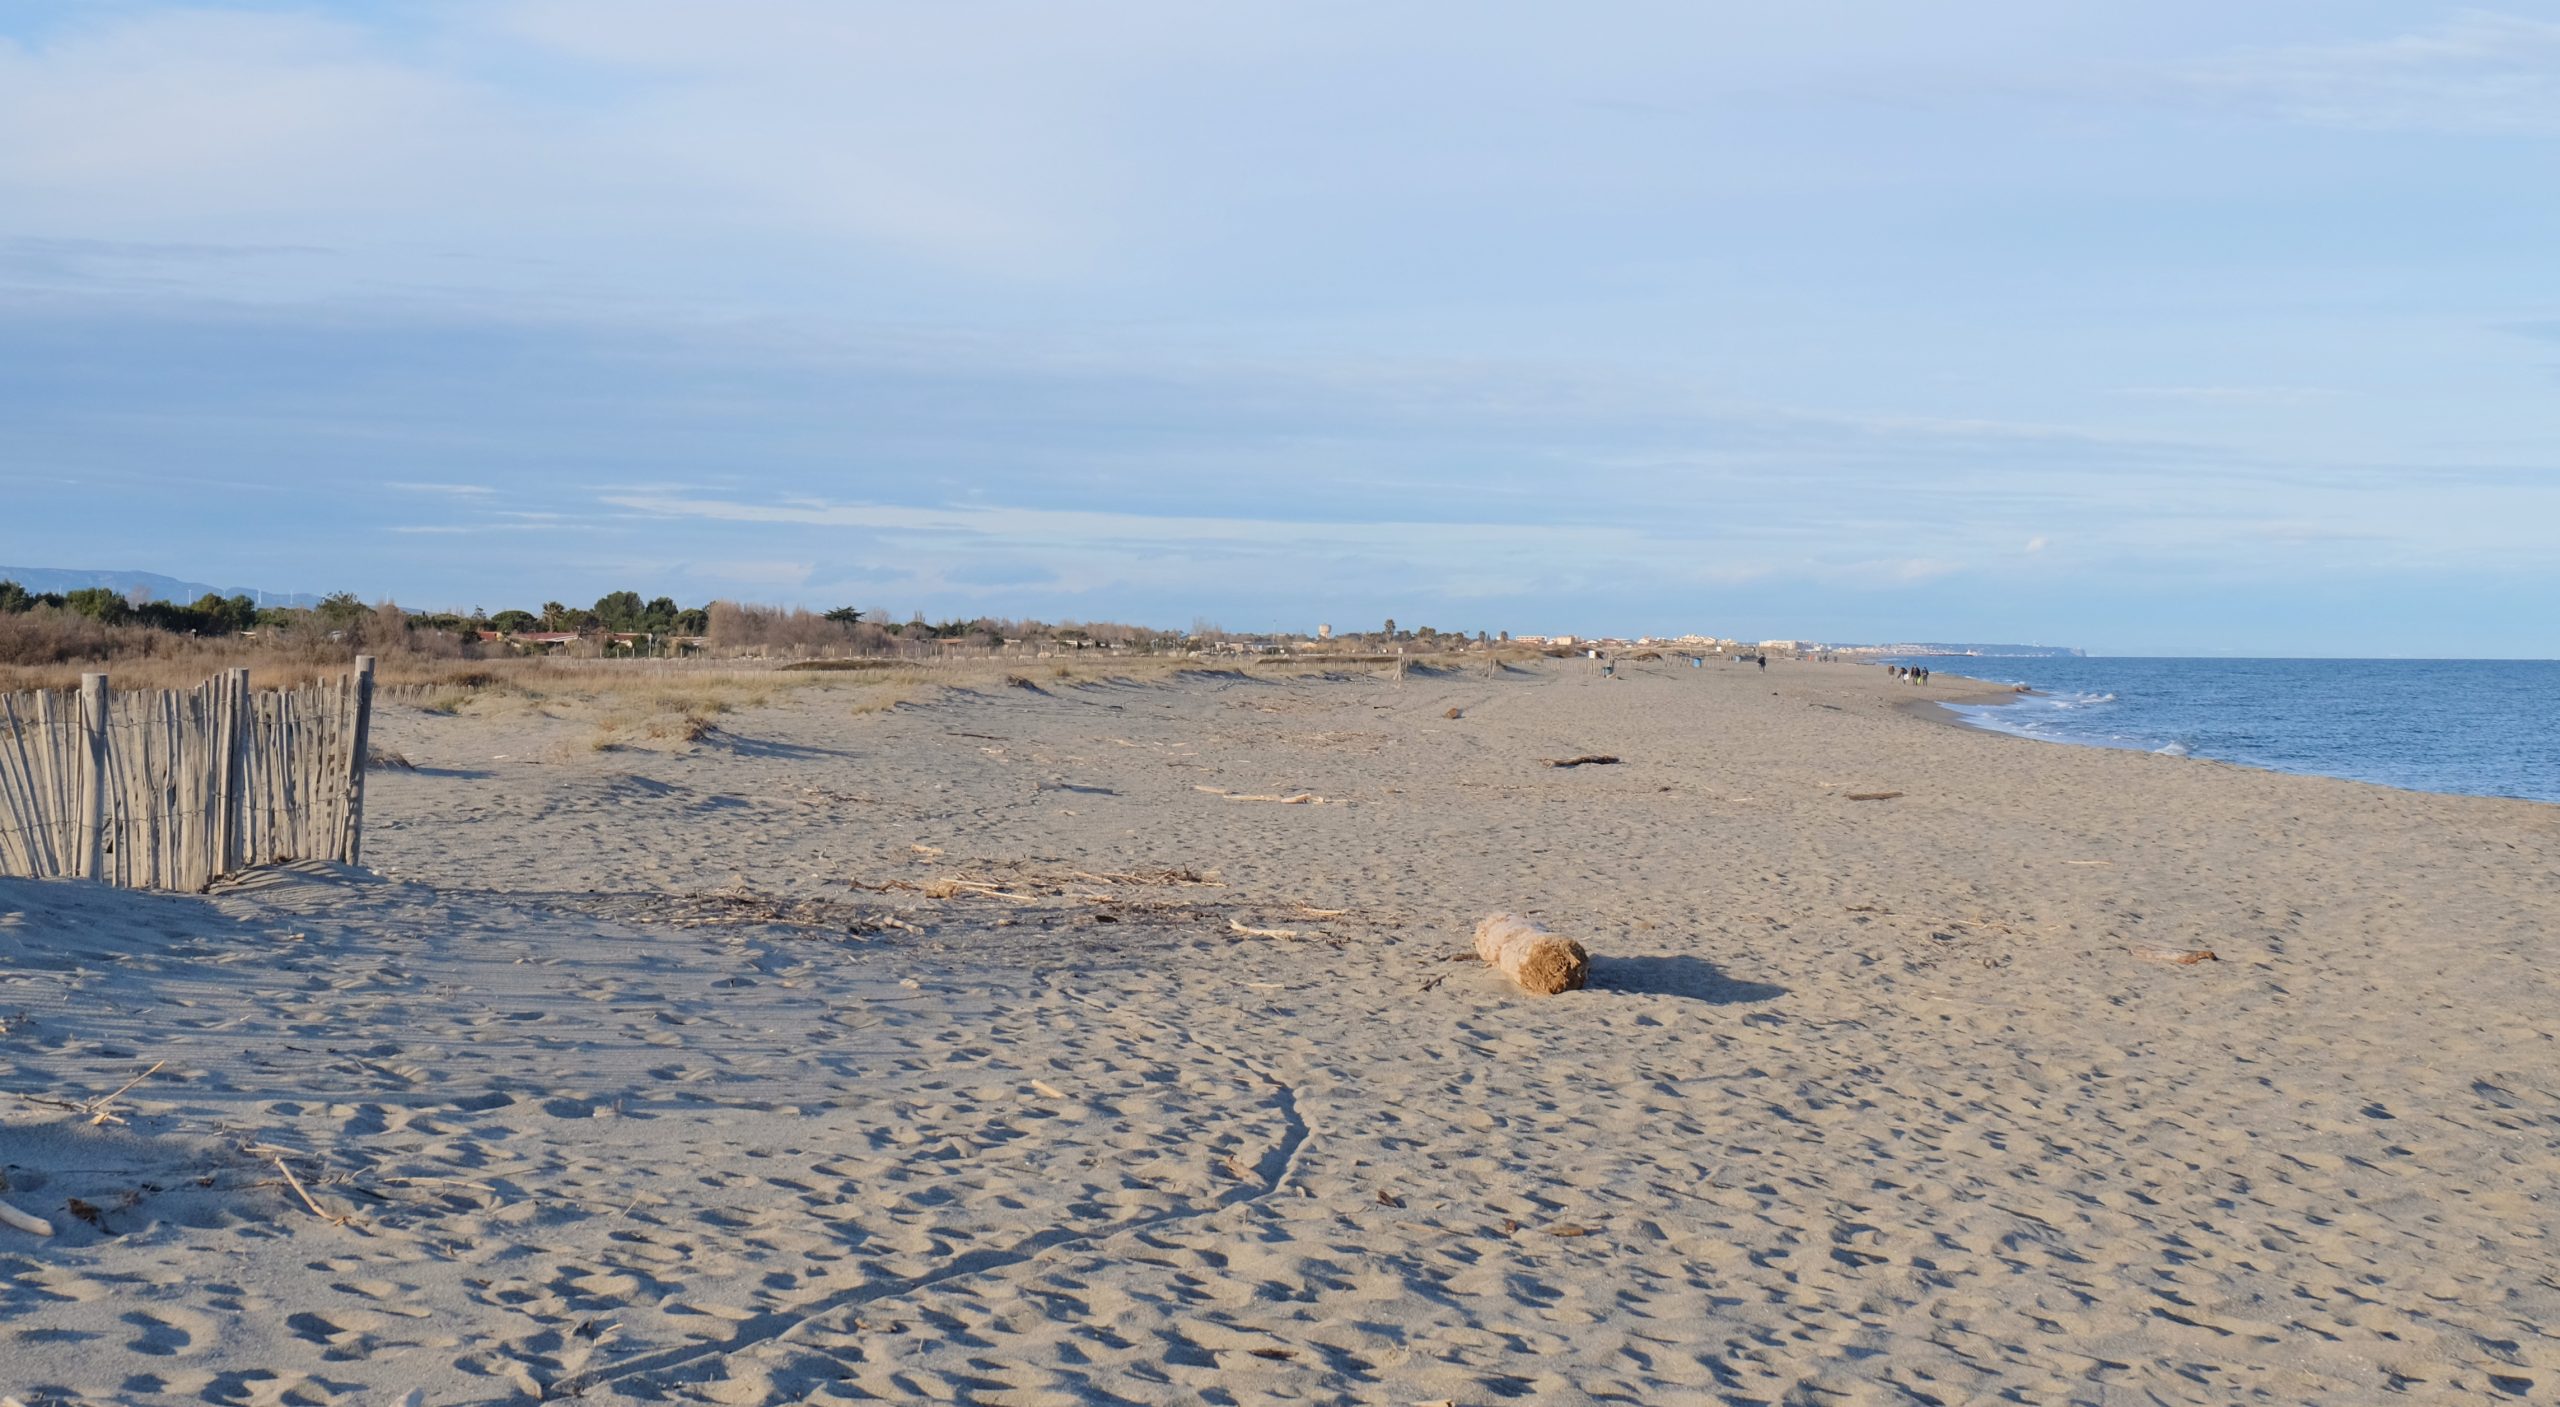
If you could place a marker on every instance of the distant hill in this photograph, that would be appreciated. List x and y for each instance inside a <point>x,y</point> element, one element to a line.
<point>154,585</point>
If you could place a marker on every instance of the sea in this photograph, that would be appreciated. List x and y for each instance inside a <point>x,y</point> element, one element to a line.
<point>2481,727</point>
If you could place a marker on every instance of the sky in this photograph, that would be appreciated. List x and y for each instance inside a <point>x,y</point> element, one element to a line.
<point>2163,328</point>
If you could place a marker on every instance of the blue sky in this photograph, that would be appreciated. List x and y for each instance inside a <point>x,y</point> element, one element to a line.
<point>2163,328</point>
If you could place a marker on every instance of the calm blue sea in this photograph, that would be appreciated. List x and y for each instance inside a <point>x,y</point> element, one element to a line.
<point>2486,727</point>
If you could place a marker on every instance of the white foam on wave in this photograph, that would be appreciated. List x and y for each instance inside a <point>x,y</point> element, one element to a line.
<point>2064,718</point>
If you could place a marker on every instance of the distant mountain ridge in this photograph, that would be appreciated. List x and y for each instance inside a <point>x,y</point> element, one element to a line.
<point>156,586</point>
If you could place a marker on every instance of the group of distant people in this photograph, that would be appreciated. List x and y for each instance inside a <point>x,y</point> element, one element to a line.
<point>1910,673</point>
<point>1609,667</point>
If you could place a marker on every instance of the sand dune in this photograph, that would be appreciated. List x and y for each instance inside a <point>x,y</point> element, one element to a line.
<point>922,1055</point>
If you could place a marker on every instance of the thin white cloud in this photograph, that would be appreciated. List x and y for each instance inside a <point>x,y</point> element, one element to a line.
<point>2479,73</point>
<point>457,490</point>
<point>1095,549</point>
<point>751,571</point>
<point>475,529</point>
<point>2232,395</point>
<point>1046,526</point>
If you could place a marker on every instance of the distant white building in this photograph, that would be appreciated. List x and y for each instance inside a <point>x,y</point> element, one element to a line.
<point>1324,632</point>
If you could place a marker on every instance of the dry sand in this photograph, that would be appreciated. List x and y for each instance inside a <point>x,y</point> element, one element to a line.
<point>923,1055</point>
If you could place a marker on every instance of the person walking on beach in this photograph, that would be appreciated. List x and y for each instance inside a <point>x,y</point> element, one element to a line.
<point>1764,663</point>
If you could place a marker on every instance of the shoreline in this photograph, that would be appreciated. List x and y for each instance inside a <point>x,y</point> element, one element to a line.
<point>1990,695</point>
<point>1943,711</point>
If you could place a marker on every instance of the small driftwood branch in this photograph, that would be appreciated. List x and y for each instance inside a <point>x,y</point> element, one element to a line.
<point>1588,759</point>
<point>305,1194</point>
<point>1542,963</point>
<point>955,888</point>
<point>1304,798</point>
<point>1248,930</point>
<point>100,1110</point>
<point>2181,957</point>
<point>32,1225</point>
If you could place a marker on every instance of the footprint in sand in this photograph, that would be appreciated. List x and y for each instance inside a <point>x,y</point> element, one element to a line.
<point>167,1333</point>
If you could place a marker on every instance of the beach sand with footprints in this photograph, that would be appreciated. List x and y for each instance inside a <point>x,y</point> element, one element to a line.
<point>1104,1041</point>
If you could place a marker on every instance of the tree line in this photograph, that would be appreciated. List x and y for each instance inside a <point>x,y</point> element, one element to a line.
<point>51,627</point>
<point>44,627</point>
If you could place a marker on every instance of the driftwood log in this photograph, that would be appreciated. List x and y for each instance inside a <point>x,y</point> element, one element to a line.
<point>2181,957</point>
<point>1542,963</point>
<point>32,1225</point>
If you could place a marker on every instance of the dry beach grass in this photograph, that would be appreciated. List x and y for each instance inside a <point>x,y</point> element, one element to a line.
<point>963,1039</point>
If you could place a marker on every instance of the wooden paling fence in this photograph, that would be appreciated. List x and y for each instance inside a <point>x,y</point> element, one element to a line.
<point>162,789</point>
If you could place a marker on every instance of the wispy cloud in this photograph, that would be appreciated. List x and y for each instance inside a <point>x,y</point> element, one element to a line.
<point>2232,395</point>
<point>2480,73</point>
<point>952,546</point>
<point>474,529</point>
<point>1057,527</point>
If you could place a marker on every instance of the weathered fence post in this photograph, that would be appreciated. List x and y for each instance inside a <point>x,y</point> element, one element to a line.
<point>231,840</point>
<point>359,743</point>
<point>93,800</point>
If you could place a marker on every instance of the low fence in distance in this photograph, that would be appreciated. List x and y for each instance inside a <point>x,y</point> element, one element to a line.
<point>169,789</point>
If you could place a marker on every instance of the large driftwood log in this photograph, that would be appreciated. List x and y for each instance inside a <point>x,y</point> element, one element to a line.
<point>32,1225</point>
<point>1542,963</point>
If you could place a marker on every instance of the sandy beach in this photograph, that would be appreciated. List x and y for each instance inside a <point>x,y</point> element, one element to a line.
<point>1102,1041</point>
